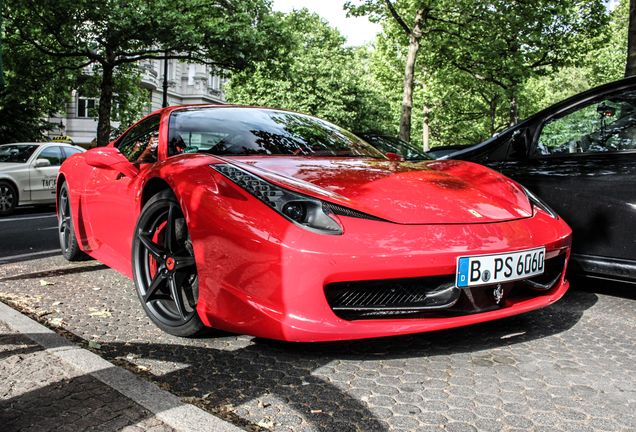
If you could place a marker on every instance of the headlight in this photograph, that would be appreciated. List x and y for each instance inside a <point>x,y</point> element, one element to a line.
<point>538,202</point>
<point>302,210</point>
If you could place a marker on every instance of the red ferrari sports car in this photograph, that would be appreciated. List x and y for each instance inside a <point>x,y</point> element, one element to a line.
<point>284,226</point>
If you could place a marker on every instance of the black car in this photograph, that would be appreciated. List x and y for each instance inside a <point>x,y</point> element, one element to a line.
<point>390,144</point>
<point>440,151</point>
<point>579,155</point>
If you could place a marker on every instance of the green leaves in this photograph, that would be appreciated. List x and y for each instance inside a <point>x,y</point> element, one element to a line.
<point>477,58</point>
<point>113,36</point>
<point>312,72</point>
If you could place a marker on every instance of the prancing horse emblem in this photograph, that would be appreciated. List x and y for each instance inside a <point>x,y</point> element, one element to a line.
<point>498,293</point>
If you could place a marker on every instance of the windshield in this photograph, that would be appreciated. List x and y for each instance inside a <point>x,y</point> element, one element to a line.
<point>17,153</point>
<point>248,131</point>
<point>389,144</point>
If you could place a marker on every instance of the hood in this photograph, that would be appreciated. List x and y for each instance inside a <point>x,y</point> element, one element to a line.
<point>10,167</point>
<point>435,192</point>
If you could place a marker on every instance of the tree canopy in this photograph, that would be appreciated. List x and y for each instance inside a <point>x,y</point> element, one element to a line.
<point>33,90</point>
<point>451,72</point>
<point>316,75</point>
<point>108,34</point>
<point>501,43</point>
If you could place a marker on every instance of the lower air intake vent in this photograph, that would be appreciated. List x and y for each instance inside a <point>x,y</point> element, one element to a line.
<point>434,296</point>
<point>394,295</point>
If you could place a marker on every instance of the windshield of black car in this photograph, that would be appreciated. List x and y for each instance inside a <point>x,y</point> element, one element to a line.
<point>18,153</point>
<point>240,131</point>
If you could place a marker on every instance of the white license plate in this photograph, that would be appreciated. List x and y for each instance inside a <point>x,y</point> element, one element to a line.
<point>498,268</point>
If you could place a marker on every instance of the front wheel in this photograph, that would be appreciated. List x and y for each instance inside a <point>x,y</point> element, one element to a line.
<point>164,268</point>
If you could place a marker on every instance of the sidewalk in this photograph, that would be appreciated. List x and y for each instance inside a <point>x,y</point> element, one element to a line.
<point>49,384</point>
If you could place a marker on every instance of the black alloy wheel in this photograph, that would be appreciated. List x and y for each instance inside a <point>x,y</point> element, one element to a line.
<point>8,198</point>
<point>68,240</point>
<point>164,267</point>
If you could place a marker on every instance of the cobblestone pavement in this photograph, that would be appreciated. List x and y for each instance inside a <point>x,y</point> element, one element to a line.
<point>40,393</point>
<point>567,367</point>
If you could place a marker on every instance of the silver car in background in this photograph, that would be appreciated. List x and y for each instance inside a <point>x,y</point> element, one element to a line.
<point>28,172</point>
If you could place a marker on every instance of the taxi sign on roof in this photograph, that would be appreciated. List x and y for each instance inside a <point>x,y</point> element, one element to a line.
<point>62,138</point>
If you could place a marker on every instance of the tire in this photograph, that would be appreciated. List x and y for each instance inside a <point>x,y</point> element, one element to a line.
<point>8,198</point>
<point>164,268</point>
<point>66,230</point>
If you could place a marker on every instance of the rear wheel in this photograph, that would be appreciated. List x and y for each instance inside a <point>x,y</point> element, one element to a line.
<point>68,240</point>
<point>8,198</point>
<point>164,267</point>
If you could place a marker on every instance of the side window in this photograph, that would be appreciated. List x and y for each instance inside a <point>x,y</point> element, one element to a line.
<point>52,154</point>
<point>141,141</point>
<point>69,151</point>
<point>604,125</point>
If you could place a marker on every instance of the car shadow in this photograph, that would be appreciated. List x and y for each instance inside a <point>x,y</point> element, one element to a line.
<point>614,288</point>
<point>324,385</point>
<point>89,267</point>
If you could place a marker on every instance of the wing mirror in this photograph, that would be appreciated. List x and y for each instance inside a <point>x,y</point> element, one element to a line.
<point>40,163</point>
<point>110,158</point>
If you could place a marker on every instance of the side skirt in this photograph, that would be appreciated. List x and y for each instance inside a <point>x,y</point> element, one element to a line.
<point>603,268</point>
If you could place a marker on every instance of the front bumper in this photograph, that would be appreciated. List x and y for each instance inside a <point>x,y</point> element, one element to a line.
<point>268,277</point>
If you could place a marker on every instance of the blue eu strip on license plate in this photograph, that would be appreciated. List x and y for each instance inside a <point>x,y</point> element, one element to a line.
<point>499,268</point>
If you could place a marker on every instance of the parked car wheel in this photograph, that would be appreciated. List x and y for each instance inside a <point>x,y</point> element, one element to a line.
<point>8,198</point>
<point>164,268</point>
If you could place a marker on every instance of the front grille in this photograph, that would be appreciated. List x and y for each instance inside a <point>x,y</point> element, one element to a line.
<point>434,296</point>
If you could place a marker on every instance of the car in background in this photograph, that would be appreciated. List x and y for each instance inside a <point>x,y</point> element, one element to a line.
<point>388,144</point>
<point>28,173</point>
<point>579,155</point>
<point>281,225</point>
<point>439,152</point>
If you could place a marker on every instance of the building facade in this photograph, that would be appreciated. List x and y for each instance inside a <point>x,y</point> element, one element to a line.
<point>188,84</point>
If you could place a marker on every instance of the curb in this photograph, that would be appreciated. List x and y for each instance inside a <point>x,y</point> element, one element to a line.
<point>165,406</point>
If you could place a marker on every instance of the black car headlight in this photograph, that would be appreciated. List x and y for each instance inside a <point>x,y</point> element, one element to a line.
<point>302,210</point>
<point>539,203</point>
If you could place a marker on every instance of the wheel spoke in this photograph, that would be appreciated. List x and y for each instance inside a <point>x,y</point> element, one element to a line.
<point>155,250</point>
<point>65,224</point>
<point>176,296</point>
<point>183,262</point>
<point>169,229</point>
<point>154,286</point>
<point>64,205</point>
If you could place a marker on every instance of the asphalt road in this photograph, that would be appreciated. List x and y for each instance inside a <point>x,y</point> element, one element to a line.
<point>30,231</point>
<point>568,367</point>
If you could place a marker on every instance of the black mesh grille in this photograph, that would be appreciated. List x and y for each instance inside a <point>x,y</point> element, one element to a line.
<point>434,296</point>
<point>391,294</point>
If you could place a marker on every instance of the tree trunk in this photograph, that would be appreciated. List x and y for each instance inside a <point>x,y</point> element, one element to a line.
<point>630,68</point>
<point>409,71</point>
<point>425,131</point>
<point>105,101</point>
<point>407,98</point>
